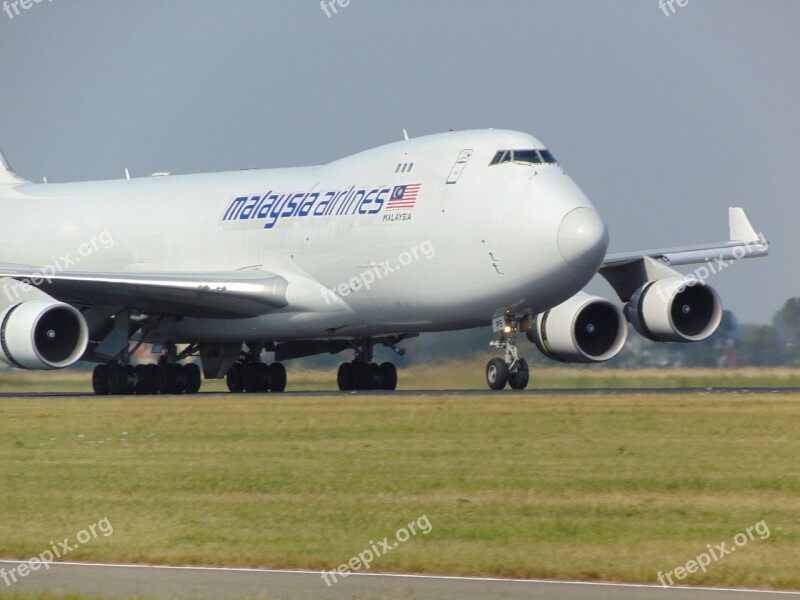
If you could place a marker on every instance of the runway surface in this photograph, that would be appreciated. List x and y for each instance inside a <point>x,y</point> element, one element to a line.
<point>440,393</point>
<point>220,583</point>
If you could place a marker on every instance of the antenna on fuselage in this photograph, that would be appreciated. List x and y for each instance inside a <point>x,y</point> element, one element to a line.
<point>127,174</point>
<point>405,135</point>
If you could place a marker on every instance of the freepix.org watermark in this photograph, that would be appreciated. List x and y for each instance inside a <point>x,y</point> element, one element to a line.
<point>56,551</point>
<point>715,265</point>
<point>668,6</point>
<point>376,550</point>
<point>702,561</point>
<point>59,264</point>
<point>365,279</point>
<point>12,7</point>
<point>329,6</point>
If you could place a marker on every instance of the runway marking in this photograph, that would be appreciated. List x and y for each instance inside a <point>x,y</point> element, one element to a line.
<point>413,576</point>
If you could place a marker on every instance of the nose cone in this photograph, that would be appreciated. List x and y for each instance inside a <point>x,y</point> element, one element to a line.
<point>583,238</point>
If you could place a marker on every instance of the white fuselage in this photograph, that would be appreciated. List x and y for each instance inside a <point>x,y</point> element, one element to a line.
<point>492,241</point>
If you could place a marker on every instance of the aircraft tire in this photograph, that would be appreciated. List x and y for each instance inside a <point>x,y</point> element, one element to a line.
<point>518,377</point>
<point>277,377</point>
<point>100,380</point>
<point>234,378</point>
<point>497,373</point>
<point>346,377</point>
<point>193,378</point>
<point>388,376</point>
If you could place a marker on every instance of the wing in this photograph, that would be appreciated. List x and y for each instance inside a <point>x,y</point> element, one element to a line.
<point>238,294</point>
<point>627,271</point>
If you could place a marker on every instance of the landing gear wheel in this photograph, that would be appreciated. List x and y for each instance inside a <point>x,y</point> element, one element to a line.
<point>363,375</point>
<point>256,378</point>
<point>518,376</point>
<point>145,380</point>
<point>171,379</point>
<point>374,377</point>
<point>497,373</point>
<point>119,383</point>
<point>277,377</point>
<point>388,376</point>
<point>100,380</point>
<point>235,378</point>
<point>346,378</point>
<point>193,381</point>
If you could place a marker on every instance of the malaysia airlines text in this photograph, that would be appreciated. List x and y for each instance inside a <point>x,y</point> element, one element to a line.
<point>271,207</point>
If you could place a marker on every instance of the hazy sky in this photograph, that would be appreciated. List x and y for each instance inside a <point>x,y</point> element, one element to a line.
<point>664,121</point>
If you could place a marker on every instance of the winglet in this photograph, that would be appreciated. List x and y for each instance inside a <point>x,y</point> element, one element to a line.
<point>7,175</point>
<point>740,228</point>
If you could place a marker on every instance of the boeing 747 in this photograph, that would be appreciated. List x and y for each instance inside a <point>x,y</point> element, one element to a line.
<point>443,232</point>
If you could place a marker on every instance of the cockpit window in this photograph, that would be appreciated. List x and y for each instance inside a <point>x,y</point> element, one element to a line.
<point>548,157</point>
<point>501,157</point>
<point>527,157</point>
<point>530,157</point>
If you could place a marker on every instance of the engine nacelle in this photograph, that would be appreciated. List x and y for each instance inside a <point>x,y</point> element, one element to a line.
<point>584,329</point>
<point>676,309</point>
<point>42,335</point>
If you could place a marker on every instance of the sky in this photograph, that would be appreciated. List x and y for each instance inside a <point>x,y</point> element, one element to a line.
<point>663,118</point>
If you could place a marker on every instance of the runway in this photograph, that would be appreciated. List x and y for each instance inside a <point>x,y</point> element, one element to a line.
<point>211,583</point>
<point>444,393</point>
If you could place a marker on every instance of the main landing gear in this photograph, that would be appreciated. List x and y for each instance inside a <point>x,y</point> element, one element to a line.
<point>511,369</point>
<point>252,376</point>
<point>363,374</point>
<point>119,378</point>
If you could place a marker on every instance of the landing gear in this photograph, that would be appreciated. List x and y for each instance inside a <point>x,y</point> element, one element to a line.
<point>252,376</point>
<point>511,369</point>
<point>363,374</point>
<point>167,377</point>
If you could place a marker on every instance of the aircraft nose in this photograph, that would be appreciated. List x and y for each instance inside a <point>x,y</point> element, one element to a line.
<point>583,237</point>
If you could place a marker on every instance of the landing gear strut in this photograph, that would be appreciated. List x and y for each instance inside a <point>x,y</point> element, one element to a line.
<point>363,374</point>
<point>511,369</point>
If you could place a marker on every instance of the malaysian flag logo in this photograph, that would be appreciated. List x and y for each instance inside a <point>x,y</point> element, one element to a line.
<point>404,197</point>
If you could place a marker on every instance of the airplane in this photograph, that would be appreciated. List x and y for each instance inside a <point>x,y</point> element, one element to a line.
<point>442,232</point>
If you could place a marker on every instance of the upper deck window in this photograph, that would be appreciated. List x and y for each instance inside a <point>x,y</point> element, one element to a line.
<point>527,157</point>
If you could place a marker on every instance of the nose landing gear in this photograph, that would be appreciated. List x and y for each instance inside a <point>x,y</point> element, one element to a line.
<point>510,369</point>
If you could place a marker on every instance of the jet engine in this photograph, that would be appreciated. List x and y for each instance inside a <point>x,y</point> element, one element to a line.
<point>42,335</point>
<point>584,329</point>
<point>675,309</point>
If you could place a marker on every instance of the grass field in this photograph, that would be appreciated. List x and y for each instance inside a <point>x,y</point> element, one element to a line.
<point>596,488</point>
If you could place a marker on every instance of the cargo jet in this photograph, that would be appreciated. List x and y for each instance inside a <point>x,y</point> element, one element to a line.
<point>443,232</point>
